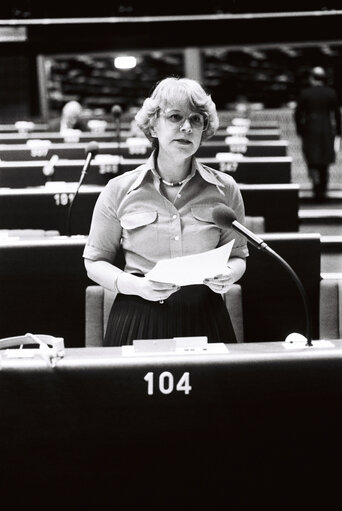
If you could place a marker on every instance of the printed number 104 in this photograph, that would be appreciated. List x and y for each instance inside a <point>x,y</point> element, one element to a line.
<point>166,383</point>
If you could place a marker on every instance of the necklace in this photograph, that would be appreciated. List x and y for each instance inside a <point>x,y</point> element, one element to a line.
<point>175,183</point>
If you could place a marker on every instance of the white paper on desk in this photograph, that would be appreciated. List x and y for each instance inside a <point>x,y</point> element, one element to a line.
<point>192,269</point>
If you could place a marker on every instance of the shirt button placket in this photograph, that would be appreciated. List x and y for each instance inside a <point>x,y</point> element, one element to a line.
<point>176,244</point>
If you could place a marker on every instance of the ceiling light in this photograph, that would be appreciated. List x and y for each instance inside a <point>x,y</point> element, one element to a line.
<point>125,62</point>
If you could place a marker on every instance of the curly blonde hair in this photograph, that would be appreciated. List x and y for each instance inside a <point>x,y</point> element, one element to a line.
<point>172,91</point>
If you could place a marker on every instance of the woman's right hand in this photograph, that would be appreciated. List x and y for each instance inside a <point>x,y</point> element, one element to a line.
<point>148,289</point>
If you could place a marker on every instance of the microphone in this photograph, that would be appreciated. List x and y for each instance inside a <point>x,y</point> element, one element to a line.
<point>116,112</point>
<point>225,218</point>
<point>49,168</point>
<point>91,150</point>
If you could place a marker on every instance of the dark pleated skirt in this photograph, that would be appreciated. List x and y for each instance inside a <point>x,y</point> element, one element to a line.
<point>191,311</point>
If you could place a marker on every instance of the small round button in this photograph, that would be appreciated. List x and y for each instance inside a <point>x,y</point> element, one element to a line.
<point>176,238</point>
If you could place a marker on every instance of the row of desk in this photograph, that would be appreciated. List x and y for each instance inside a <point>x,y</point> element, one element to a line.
<point>43,285</point>
<point>250,425</point>
<point>31,206</point>
<point>46,207</point>
<point>258,426</point>
<point>208,149</point>
<point>110,136</point>
<point>125,124</point>
<point>244,169</point>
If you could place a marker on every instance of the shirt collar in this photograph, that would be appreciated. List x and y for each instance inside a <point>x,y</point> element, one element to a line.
<point>205,172</point>
<point>209,175</point>
<point>144,169</point>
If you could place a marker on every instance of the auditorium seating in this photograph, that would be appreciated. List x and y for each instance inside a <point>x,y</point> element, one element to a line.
<point>331,254</point>
<point>111,136</point>
<point>253,148</point>
<point>331,306</point>
<point>265,182</point>
<point>209,149</point>
<point>47,207</point>
<point>251,134</point>
<point>98,302</point>
<point>248,170</point>
<point>43,285</point>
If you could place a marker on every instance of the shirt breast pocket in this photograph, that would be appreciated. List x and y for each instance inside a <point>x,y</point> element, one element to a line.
<point>139,231</point>
<point>204,227</point>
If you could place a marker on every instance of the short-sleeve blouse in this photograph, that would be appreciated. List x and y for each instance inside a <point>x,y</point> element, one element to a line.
<point>131,211</point>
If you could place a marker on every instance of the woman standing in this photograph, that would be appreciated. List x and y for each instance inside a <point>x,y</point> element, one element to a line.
<point>161,210</point>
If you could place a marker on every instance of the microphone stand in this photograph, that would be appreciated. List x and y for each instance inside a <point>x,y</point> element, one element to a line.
<point>83,173</point>
<point>300,287</point>
<point>118,139</point>
<point>116,113</point>
<point>261,245</point>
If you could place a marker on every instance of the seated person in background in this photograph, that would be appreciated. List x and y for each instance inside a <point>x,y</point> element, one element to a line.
<point>160,210</point>
<point>71,118</point>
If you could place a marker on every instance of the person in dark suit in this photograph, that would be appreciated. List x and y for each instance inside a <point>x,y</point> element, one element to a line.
<point>318,123</point>
<point>71,118</point>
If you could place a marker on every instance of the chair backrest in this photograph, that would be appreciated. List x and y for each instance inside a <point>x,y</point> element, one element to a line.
<point>255,223</point>
<point>98,302</point>
<point>330,320</point>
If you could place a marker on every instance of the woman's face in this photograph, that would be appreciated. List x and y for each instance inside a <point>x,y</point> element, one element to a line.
<point>179,130</point>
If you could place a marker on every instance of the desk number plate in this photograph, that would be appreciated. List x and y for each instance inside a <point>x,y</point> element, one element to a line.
<point>166,383</point>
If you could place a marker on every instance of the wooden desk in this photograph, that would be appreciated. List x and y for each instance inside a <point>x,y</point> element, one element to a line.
<point>21,152</point>
<point>258,170</point>
<point>43,287</point>
<point>46,207</point>
<point>260,424</point>
<point>110,136</point>
<point>252,134</point>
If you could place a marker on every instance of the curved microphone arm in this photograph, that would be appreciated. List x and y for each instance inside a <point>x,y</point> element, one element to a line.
<point>300,286</point>
<point>225,218</point>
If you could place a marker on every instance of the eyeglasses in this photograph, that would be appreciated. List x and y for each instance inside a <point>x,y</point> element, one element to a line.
<point>197,120</point>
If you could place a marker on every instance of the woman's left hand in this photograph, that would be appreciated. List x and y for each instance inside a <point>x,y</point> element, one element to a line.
<point>220,283</point>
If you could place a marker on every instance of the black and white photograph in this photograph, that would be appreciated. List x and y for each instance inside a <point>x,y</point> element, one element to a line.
<point>170,255</point>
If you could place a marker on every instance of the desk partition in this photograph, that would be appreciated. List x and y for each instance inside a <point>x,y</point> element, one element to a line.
<point>231,428</point>
<point>272,304</point>
<point>42,288</point>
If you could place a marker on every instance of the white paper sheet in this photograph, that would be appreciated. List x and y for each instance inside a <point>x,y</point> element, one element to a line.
<point>192,269</point>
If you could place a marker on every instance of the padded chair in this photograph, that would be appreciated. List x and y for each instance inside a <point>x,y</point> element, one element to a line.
<point>255,223</point>
<point>98,302</point>
<point>330,321</point>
